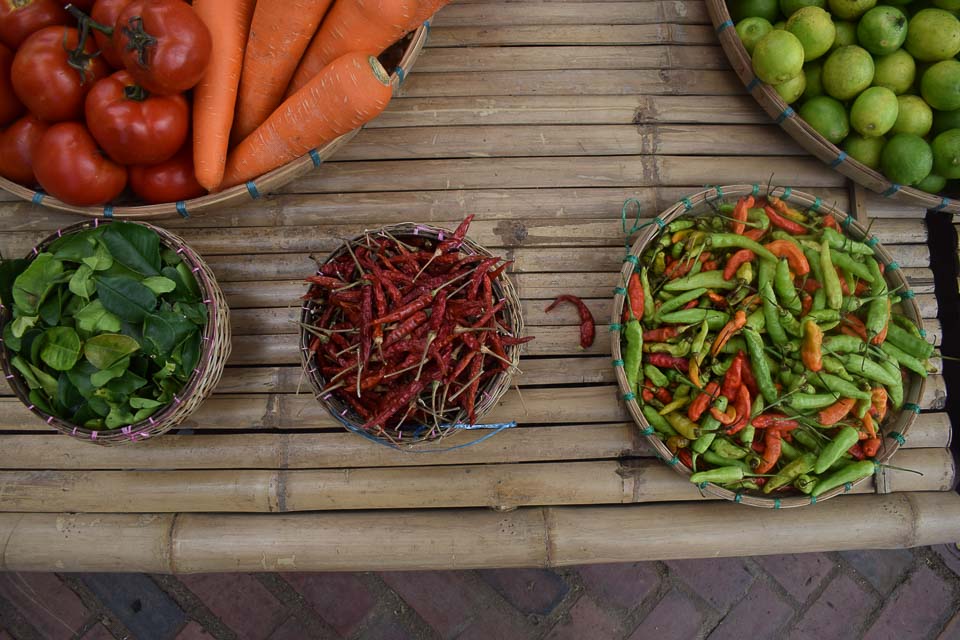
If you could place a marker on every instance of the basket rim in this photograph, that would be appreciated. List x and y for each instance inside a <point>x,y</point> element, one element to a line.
<point>805,135</point>
<point>251,190</point>
<point>489,394</point>
<point>202,371</point>
<point>690,205</point>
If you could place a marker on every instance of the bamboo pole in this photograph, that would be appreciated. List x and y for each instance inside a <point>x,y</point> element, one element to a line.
<point>465,539</point>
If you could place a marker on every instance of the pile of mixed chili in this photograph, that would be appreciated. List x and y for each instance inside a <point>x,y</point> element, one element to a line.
<point>408,331</point>
<point>765,348</point>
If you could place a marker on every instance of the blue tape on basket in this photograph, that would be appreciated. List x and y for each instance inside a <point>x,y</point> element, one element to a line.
<point>673,461</point>
<point>252,189</point>
<point>315,156</point>
<point>776,503</point>
<point>182,208</point>
<point>923,332</point>
<point>37,197</point>
<point>894,187</point>
<point>738,498</point>
<point>872,242</point>
<point>840,159</point>
<point>649,431</point>
<point>756,190</point>
<point>847,221</point>
<point>632,259</point>
<point>619,290</point>
<point>753,84</point>
<point>617,363</point>
<point>908,294</point>
<point>943,204</point>
<point>401,74</point>
<point>786,113</point>
<point>629,395</point>
<point>848,486</point>
<point>787,192</point>
<point>703,485</point>
<point>911,406</point>
<point>108,211</point>
<point>813,499</point>
<point>687,205</point>
<point>616,327</point>
<point>816,203</point>
<point>896,435</point>
<point>726,24</point>
<point>893,266</point>
<point>719,191</point>
<point>426,23</point>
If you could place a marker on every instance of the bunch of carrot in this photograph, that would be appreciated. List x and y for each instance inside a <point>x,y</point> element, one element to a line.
<point>407,332</point>
<point>287,77</point>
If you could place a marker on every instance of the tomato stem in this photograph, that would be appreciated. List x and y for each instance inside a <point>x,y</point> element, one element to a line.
<point>83,18</point>
<point>135,92</point>
<point>139,39</point>
<point>78,58</point>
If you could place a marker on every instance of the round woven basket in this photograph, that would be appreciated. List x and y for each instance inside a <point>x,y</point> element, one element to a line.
<point>896,425</point>
<point>488,395</point>
<point>213,357</point>
<point>808,138</point>
<point>400,58</point>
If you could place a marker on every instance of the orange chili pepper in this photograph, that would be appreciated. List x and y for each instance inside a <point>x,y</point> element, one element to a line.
<point>862,287</point>
<point>869,426</point>
<point>646,393</point>
<point>735,324</point>
<point>843,283</point>
<point>771,451</point>
<point>830,221</point>
<point>871,446</point>
<point>702,401</point>
<point>836,412</point>
<point>806,303</point>
<point>879,403</point>
<point>659,335</point>
<point>795,258</point>
<point>743,406</point>
<point>735,261</point>
<point>725,418</point>
<point>716,298</point>
<point>754,234</point>
<point>740,214</point>
<point>634,298</point>
<point>663,395</point>
<point>811,352</point>
<point>786,224</point>
<point>856,324</point>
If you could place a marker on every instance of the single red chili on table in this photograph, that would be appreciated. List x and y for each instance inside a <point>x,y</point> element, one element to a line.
<point>587,326</point>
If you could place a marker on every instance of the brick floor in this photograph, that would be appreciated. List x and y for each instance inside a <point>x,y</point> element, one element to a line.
<point>585,620</point>
<point>882,568</point>
<point>193,631</point>
<point>918,608</point>
<point>840,612</point>
<point>240,601</point>
<point>341,599</point>
<point>721,581</point>
<point>45,602</point>
<point>622,585</point>
<point>800,574</point>
<point>675,617</point>
<point>761,614</point>
<point>97,632</point>
<point>529,590</point>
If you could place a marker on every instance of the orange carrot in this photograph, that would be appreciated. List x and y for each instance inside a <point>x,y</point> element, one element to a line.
<point>279,34</point>
<point>349,92</point>
<point>216,94</point>
<point>363,26</point>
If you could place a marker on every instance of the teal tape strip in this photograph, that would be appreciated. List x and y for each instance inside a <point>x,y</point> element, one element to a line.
<point>848,486</point>
<point>786,113</point>
<point>894,187</point>
<point>726,24</point>
<point>703,485</point>
<point>687,205</point>
<point>182,209</point>
<point>37,197</point>
<point>632,259</point>
<point>776,503</point>
<point>813,499</point>
<point>401,74</point>
<point>315,156</point>
<point>629,395</point>
<point>756,190</point>
<point>840,159</point>
<point>847,221</point>
<point>872,242</point>
<point>923,332</point>
<point>908,294</point>
<point>753,84</point>
<point>910,406</point>
<point>616,327</point>
<point>108,211</point>
<point>617,363</point>
<point>738,498</point>
<point>674,461</point>
<point>896,435</point>
<point>787,192</point>
<point>816,204</point>
<point>893,266</point>
<point>647,432</point>
<point>619,290</point>
<point>252,189</point>
<point>943,204</point>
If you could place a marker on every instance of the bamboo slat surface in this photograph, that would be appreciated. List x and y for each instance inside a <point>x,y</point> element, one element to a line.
<point>540,117</point>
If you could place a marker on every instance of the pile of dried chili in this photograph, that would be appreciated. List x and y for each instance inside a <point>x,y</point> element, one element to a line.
<point>408,330</point>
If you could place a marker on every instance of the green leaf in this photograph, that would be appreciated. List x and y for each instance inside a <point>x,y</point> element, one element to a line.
<point>170,257</point>
<point>23,367</point>
<point>93,318</point>
<point>194,312</point>
<point>119,417</point>
<point>79,377</point>
<point>9,270</point>
<point>99,406</point>
<point>37,378</point>
<point>73,306</point>
<point>100,378</point>
<point>160,335</point>
<point>165,372</point>
<point>83,415</point>
<point>144,403</point>
<point>41,401</point>
<point>68,396</point>
<point>50,309</point>
<point>21,324</point>
<point>101,260</point>
<point>182,292</point>
<point>144,413</point>
<point>74,247</point>
<point>189,279</point>
<point>33,285</point>
<point>159,284</point>
<point>106,350</point>
<point>127,383</point>
<point>82,283</point>
<point>125,297</point>
<point>61,348</point>
<point>134,246</point>
<point>11,341</point>
<point>190,354</point>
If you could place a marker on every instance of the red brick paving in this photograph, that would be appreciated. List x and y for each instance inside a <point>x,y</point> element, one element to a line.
<point>864,594</point>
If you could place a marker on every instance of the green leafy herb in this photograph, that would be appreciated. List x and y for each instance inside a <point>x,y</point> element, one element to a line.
<point>61,348</point>
<point>101,260</point>
<point>159,284</point>
<point>35,283</point>
<point>125,297</point>
<point>82,284</point>
<point>9,270</point>
<point>105,350</point>
<point>134,246</point>
<point>94,318</point>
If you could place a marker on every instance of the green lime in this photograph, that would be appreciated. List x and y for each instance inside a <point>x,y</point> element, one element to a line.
<point>914,117</point>
<point>865,150</point>
<point>751,30</point>
<point>846,34</point>
<point>792,89</point>
<point>940,85</point>
<point>812,71</point>
<point>815,30</point>
<point>847,72</point>
<point>906,159</point>
<point>850,9</point>
<point>827,116</point>
<point>947,5</point>
<point>882,30</point>
<point>780,25</point>
<point>874,112</point>
<point>896,71</point>
<point>944,120</point>
<point>933,34</point>
<point>778,57</point>
<point>789,7</point>
<point>932,183</point>
<point>767,9</point>
<point>946,154</point>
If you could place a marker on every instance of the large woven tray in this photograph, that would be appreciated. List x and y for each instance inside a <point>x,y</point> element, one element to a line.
<point>805,135</point>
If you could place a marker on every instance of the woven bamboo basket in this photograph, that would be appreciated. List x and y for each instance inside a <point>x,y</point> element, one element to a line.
<point>213,357</point>
<point>488,395</point>
<point>805,135</point>
<point>400,58</point>
<point>704,202</point>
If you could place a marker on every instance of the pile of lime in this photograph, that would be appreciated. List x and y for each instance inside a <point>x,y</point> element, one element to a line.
<point>881,81</point>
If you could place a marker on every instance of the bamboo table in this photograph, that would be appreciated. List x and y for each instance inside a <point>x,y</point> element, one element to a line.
<point>541,118</point>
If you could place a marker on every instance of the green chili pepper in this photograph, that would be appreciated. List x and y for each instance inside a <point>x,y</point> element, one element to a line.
<point>683,425</point>
<point>716,319</point>
<point>831,281</point>
<point>758,406</point>
<point>680,225</point>
<point>680,300</point>
<point>703,443</point>
<point>771,315</point>
<point>904,358</point>
<point>678,350</point>
<point>745,484</point>
<point>656,376</point>
<point>783,286</point>
<point>783,235</point>
<point>747,433</point>
<point>745,272</point>
<point>721,475</point>
<point>716,460</point>
<point>789,322</point>
<point>758,216</point>
<point>708,279</point>
<point>727,449</point>
<point>823,315</point>
<point>846,438</point>
<point>733,346</point>
<point>805,401</point>
<point>730,240</point>
<point>676,250</point>
<point>709,423</point>
<point>649,311</point>
<point>845,262</point>
<point>789,451</point>
<point>912,345</point>
<point>895,391</point>
<point>864,366</point>
<point>906,323</point>
<point>803,464</point>
<point>843,343</point>
<point>819,301</point>
<point>659,263</point>
<point>808,440</point>
<point>727,208</point>
<point>633,333</point>
<point>850,473</point>
<point>839,386</point>
<point>843,243</point>
<point>863,407</point>
<point>657,421</point>
<point>757,320</point>
<point>805,483</point>
<point>813,258</point>
<point>759,364</point>
<point>878,313</point>
<point>699,341</point>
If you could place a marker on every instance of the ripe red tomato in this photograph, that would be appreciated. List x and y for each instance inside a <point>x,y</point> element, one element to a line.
<point>168,181</point>
<point>10,105</point>
<point>163,44</point>
<point>16,149</point>
<point>106,12</point>
<point>69,166</point>
<point>132,126</point>
<point>20,18</point>
<point>51,80</point>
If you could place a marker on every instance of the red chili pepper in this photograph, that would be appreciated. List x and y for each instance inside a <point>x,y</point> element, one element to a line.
<point>736,260</point>
<point>510,340</point>
<point>810,285</point>
<point>437,310</point>
<point>806,303</point>
<point>326,282</point>
<point>496,273</point>
<point>702,401</point>
<point>830,221</point>
<point>855,325</point>
<point>686,458</point>
<point>405,328</point>
<point>396,402</point>
<point>862,287</point>
<point>470,396</point>
<point>492,311</point>
<point>587,327</point>
<point>663,395</point>
<point>717,299</point>
<point>844,287</point>
<point>366,314</point>
<point>871,446</point>
<point>732,379</point>
<point>405,311</point>
<point>754,234</point>
<point>692,304</point>
<point>634,302</point>
<point>857,452</point>
<point>659,335</point>
<point>645,392</point>
<point>743,406</point>
<point>678,269</point>
<point>771,451</point>
<point>667,361</point>
<point>711,265</point>
<point>740,215</point>
<point>774,420</point>
<point>787,225</point>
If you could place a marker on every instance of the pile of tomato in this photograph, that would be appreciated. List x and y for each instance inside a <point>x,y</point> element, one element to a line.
<point>93,97</point>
